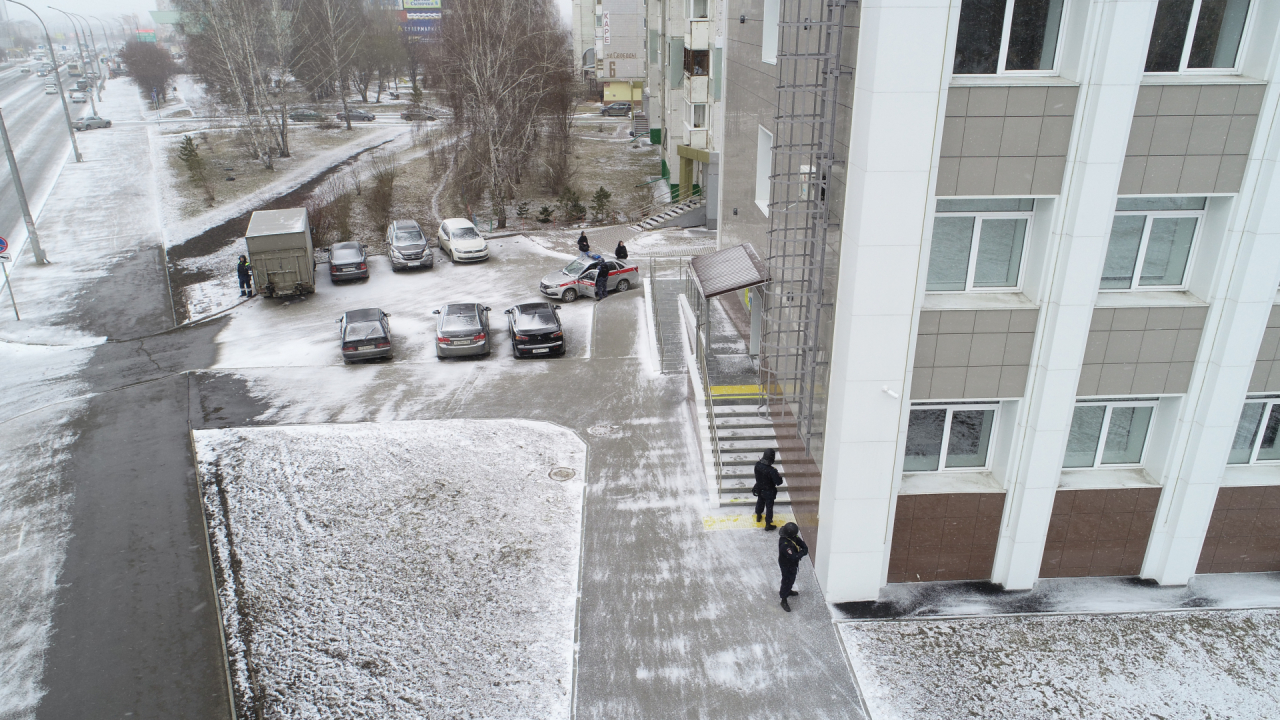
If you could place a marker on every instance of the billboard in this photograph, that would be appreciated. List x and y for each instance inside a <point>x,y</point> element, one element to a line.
<point>620,41</point>
<point>421,4</point>
<point>421,19</point>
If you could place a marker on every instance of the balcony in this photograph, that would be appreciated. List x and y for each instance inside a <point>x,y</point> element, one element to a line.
<point>699,35</point>
<point>696,88</point>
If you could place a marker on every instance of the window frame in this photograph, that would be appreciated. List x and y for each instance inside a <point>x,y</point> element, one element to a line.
<point>771,17</point>
<point>1110,404</point>
<point>764,189</point>
<point>1134,284</point>
<point>1268,401</point>
<point>1003,54</point>
<point>951,406</point>
<point>1190,39</point>
<point>1028,215</point>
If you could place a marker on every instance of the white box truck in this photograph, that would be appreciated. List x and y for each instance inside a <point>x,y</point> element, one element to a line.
<point>280,251</point>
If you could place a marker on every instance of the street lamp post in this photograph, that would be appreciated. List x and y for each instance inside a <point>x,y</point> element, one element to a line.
<point>22,195</point>
<point>97,56</point>
<point>79,46</point>
<point>57,78</point>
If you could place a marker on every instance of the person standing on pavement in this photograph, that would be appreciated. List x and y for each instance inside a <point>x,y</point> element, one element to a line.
<point>602,278</point>
<point>244,271</point>
<point>584,247</point>
<point>791,547</point>
<point>766,488</point>
<point>621,251</point>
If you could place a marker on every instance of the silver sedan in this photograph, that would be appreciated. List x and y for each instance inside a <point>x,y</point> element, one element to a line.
<point>462,329</point>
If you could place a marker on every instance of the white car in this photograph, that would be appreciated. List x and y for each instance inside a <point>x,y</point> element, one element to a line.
<point>460,240</point>
<point>50,89</point>
<point>78,96</point>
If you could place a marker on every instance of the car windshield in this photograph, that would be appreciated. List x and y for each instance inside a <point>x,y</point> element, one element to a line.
<point>409,237</point>
<point>459,317</point>
<point>464,233</point>
<point>575,267</point>
<point>345,254</point>
<point>536,317</point>
<point>364,331</point>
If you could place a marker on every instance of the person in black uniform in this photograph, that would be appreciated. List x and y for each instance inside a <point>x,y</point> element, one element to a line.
<point>244,271</point>
<point>621,251</point>
<point>766,488</point>
<point>584,247</point>
<point>602,279</point>
<point>791,547</point>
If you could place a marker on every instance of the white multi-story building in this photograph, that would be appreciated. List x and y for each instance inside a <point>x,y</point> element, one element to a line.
<point>1036,295</point>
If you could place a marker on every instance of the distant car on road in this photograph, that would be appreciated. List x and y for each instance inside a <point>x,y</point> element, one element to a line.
<point>416,114</point>
<point>25,71</point>
<point>50,89</point>
<point>347,261</point>
<point>577,279</point>
<point>619,108</point>
<point>463,243</point>
<point>356,114</point>
<point>305,116</point>
<point>78,97</point>
<point>82,84</point>
<point>365,334</point>
<point>535,329</point>
<point>407,246</point>
<point>462,329</point>
<point>90,122</point>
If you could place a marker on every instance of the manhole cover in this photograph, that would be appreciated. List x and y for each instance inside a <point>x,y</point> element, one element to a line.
<point>562,473</point>
<point>603,430</point>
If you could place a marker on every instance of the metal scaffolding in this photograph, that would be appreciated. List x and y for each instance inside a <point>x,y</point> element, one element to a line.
<point>793,363</point>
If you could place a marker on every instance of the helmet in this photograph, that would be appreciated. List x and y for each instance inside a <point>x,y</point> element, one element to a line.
<point>790,530</point>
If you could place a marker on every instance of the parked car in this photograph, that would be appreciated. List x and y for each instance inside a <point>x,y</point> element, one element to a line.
<point>463,243</point>
<point>78,97</point>
<point>577,279</point>
<point>619,108</point>
<point>305,116</point>
<point>462,329</point>
<point>90,122</point>
<point>535,329</point>
<point>50,89</point>
<point>407,246</point>
<point>356,114</point>
<point>365,334</point>
<point>417,114</point>
<point>347,261</point>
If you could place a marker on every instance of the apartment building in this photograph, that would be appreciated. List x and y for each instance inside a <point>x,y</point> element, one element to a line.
<point>1024,318</point>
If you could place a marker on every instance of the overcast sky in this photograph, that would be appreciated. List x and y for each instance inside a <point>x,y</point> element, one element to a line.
<point>108,11</point>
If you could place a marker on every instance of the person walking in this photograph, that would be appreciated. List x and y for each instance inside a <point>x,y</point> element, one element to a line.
<point>766,488</point>
<point>244,271</point>
<point>791,547</point>
<point>584,247</point>
<point>621,251</point>
<point>602,278</point>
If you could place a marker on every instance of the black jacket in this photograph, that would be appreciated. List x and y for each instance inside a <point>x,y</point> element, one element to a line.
<point>243,269</point>
<point>790,550</point>
<point>767,481</point>
<point>583,245</point>
<point>620,252</point>
<point>602,273</point>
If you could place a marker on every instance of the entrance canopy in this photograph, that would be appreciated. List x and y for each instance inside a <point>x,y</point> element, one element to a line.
<point>727,270</point>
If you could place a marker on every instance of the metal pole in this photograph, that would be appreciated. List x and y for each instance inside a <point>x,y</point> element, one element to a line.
<point>75,30</point>
<point>10,286</point>
<point>57,78</point>
<point>97,56</point>
<point>22,194</point>
<point>97,68</point>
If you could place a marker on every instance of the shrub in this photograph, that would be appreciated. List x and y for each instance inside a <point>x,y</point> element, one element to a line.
<point>571,207</point>
<point>544,215</point>
<point>600,204</point>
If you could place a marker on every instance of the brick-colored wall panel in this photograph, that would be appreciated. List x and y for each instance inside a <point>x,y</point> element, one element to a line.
<point>950,536</point>
<point>1244,531</point>
<point>1095,533</point>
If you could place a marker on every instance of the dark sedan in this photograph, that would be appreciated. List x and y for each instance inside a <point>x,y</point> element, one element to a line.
<point>535,330</point>
<point>619,108</point>
<point>365,334</point>
<point>355,114</point>
<point>417,114</point>
<point>347,261</point>
<point>305,116</point>
<point>462,329</point>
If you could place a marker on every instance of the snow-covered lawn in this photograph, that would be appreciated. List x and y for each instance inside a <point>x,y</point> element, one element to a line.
<point>422,569</point>
<point>1195,664</point>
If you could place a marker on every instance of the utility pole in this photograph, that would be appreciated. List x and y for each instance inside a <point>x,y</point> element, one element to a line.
<point>22,195</point>
<point>57,78</point>
<point>75,30</point>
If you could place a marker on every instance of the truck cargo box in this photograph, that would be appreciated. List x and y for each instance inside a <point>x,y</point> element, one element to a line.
<point>280,251</point>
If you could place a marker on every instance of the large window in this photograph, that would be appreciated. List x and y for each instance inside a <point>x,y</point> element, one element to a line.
<point>1151,243</point>
<point>1196,35</point>
<point>953,436</point>
<point>1250,445</point>
<point>1108,432</point>
<point>998,36</point>
<point>764,167</point>
<point>769,40</point>
<point>978,245</point>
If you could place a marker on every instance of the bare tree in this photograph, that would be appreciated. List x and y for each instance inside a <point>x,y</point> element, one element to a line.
<point>330,33</point>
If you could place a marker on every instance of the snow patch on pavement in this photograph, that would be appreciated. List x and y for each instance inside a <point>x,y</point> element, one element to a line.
<point>423,569</point>
<point>1202,664</point>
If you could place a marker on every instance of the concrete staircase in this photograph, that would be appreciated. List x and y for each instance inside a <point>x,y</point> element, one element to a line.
<point>686,213</point>
<point>639,125</point>
<point>744,430</point>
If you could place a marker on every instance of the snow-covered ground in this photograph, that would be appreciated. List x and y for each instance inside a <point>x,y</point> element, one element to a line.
<point>398,570</point>
<point>1194,664</point>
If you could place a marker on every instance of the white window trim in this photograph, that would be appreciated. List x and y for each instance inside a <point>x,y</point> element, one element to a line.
<point>951,407</point>
<point>769,33</point>
<point>1190,38</point>
<point>1151,215</point>
<point>973,250</point>
<point>764,188</point>
<point>1106,425</point>
<point>1004,46</point>
<point>1270,401</point>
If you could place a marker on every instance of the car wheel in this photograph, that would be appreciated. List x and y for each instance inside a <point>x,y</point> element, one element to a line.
<point>569,295</point>
<point>452,257</point>
<point>622,286</point>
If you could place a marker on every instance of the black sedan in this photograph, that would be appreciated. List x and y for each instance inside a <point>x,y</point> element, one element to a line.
<point>535,330</point>
<point>347,261</point>
<point>305,116</point>
<point>365,334</point>
<point>619,108</point>
<point>355,114</point>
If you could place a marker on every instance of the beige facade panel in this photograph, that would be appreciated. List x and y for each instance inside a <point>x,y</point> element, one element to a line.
<point>1266,370</point>
<point>1141,351</point>
<point>972,354</point>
